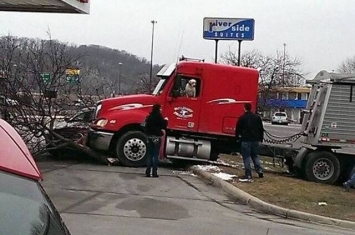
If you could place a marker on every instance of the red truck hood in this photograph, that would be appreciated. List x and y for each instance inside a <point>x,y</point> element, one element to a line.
<point>128,102</point>
<point>15,156</point>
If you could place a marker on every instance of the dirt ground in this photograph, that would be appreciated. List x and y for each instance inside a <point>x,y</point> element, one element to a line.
<point>278,188</point>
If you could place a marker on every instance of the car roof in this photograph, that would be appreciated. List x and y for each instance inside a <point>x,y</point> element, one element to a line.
<point>15,157</point>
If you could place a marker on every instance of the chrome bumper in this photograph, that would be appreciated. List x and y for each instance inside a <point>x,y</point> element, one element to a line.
<point>280,121</point>
<point>99,140</point>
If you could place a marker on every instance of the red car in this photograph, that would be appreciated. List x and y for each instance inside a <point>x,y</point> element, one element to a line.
<point>24,205</point>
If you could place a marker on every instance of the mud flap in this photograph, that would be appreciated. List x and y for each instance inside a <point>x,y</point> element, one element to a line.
<point>300,156</point>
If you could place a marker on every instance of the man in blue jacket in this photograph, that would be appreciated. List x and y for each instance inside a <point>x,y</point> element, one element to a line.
<point>250,131</point>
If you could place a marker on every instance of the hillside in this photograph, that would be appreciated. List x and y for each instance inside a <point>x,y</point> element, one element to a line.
<point>102,65</point>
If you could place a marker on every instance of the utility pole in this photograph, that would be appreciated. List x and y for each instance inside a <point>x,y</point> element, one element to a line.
<point>151,58</point>
<point>283,66</point>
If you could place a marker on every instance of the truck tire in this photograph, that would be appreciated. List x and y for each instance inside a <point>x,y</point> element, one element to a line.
<point>131,149</point>
<point>322,167</point>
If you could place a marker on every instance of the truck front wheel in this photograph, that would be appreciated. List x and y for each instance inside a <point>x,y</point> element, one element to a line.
<point>322,167</point>
<point>131,149</point>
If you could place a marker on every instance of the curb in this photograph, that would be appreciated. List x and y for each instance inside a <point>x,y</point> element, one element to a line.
<point>260,205</point>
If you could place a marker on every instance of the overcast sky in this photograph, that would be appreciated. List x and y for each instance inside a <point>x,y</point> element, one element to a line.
<point>320,32</point>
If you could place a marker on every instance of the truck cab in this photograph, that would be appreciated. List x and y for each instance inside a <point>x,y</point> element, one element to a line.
<point>202,102</point>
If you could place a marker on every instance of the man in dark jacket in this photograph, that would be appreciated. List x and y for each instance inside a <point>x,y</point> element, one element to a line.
<point>250,132</point>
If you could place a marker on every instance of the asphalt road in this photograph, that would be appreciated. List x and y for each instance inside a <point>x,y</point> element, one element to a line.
<point>285,131</point>
<point>282,130</point>
<point>97,199</point>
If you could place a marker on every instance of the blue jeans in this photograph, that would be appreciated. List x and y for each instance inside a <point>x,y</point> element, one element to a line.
<point>250,150</point>
<point>351,181</point>
<point>152,157</point>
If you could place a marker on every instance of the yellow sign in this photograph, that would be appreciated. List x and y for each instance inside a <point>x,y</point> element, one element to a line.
<point>72,72</point>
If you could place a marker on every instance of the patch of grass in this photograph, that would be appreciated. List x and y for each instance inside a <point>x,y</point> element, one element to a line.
<point>280,189</point>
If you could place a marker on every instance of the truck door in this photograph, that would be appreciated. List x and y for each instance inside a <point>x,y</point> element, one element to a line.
<point>182,105</point>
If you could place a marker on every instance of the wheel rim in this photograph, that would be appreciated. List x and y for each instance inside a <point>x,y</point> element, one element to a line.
<point>323,169</point>
<point>135,149</point>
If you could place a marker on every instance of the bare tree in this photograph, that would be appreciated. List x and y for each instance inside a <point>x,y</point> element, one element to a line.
<point>274,71</point>
<point>40,81</point>
<point>36,90</point>
<point>347,66</point>
<point>142,87</point>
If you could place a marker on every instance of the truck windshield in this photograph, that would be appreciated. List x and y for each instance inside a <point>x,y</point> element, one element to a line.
<point>165,72</point>
<point>160,86</point>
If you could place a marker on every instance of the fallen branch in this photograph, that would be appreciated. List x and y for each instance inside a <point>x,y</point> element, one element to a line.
<point>79,146</point>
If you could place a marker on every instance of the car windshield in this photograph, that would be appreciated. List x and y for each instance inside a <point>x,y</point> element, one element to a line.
<point>280,114</point>
<point>24,208</point>
<point>77,117</point>
<point>85,116</point>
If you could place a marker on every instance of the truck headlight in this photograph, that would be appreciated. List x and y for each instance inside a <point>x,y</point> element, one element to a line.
<point>101,122</point>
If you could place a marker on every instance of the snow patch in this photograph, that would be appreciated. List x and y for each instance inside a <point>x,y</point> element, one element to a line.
<point>182,173</point>
<point>208,168</point>
<point>225,176</point>
<point>322,204</point>
<point>230,164</point>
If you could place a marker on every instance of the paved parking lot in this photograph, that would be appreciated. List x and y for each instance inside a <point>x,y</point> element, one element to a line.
<point>97,199</point>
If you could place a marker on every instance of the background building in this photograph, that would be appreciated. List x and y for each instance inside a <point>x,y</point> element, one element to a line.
<point>291,100</point>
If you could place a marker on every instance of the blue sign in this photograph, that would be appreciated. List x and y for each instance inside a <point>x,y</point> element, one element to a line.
<point>298,104</point>
<point>228,29</point>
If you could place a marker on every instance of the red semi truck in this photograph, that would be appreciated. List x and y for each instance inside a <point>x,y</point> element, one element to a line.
<point>199,127</point>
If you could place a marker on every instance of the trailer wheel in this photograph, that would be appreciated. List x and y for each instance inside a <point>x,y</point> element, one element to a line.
<point>131,149</point>
<point>322,167</point>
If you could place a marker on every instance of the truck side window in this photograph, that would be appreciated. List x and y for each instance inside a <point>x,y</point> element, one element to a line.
<point>185,86</point>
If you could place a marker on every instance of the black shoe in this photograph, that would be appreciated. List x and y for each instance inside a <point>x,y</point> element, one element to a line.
<point>346,186</point>
<point>155,176</point>
<point>261,175</point>
<point>147,173</point>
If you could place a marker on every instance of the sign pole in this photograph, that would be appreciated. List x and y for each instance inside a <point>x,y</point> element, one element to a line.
<point>216,52</point>
<point>239,49</point>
